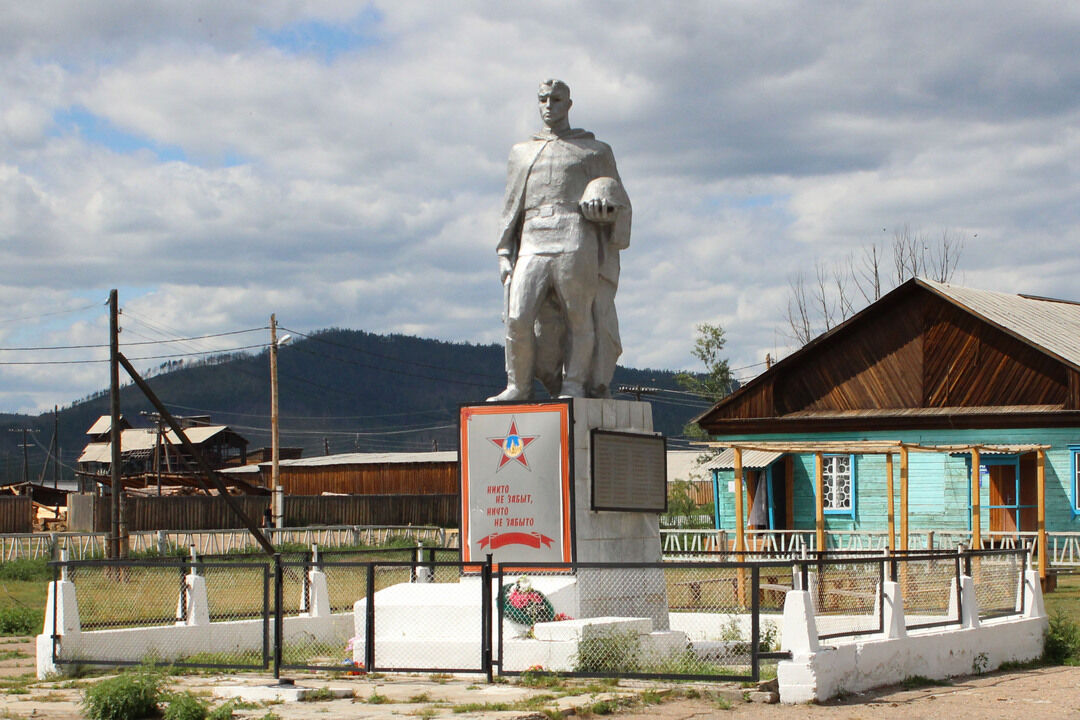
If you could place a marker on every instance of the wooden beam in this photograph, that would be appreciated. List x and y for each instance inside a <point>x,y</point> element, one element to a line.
<point>1040,483</point>
<point>976,506</point>
<point>740,526</point>
<point>891,499</point>
<point>789,488</point>
<point>903,498</point>
<point>819,500</point>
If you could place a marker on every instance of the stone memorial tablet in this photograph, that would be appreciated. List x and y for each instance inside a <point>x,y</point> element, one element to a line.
<point>629,472</point>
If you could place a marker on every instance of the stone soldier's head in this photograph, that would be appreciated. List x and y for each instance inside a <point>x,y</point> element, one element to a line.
<point>555,102</point>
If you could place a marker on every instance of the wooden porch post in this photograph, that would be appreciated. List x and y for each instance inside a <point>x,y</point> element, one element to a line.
<point>903,498</point>
<point>1040,484</point>
<point>890,499</point>
<point>740,529</point>
<point>976,508</point>
<point>819,499</point>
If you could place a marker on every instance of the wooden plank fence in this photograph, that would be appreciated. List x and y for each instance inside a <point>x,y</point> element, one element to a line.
<point>201,512</point>
<point>16,514</point>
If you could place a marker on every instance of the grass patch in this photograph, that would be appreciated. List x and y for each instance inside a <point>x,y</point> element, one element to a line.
<point>319,694</point>
<point>540,678</point>
<point>421,698</point>
<point>481,707</point>
<point>376,699</point>
<point>128,695</point>
<point>611,653</point>
<point>186,706</point>
<point>914,682</point>
<point>26,569</point>
<point>13,654</point>
<point>20,619</point>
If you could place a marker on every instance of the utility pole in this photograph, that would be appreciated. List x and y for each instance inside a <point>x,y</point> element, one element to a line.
<point>275,441</point>
<point>115,483</point>
<point>56,447</point>
<point>26,451</point>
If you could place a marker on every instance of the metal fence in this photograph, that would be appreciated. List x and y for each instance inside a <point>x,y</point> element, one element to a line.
<point>930,586</point>
<point>675,620</point>
<point>710,617</point>
<point>847,594</point>
<point>998,576</point>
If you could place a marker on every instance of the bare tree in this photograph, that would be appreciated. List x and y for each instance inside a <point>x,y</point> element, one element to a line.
<point>798,310</point>
<point>831,299</point>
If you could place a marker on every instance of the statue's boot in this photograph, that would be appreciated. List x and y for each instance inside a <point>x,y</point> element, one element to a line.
<point>512,392</point>
<point>572,389</point>
<point>519,361</point>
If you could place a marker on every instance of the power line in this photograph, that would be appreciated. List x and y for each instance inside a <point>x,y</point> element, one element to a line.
<point>49,314</point>
<point>143,357</point>
<point>348,433</point>
<point>132,344</point>
<point>311,417</point>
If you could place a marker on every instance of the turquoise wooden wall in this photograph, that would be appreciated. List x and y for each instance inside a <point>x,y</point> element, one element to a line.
<point>938,484</point>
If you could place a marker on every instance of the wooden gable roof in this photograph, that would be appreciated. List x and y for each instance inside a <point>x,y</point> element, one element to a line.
<point>925,355</point>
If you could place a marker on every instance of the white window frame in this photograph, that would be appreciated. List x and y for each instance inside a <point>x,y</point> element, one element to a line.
<point>830,476</point>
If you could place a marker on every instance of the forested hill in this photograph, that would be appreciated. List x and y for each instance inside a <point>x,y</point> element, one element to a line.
<point>344,389</point>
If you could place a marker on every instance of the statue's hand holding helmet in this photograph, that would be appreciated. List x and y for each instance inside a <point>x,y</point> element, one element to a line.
<point>602,200</point>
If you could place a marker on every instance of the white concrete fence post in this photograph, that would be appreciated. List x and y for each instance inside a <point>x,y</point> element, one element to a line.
<point>318,595</point>
<point>192,607</point>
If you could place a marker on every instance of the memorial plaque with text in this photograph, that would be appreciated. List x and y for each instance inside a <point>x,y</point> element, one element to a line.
<point>629,472</point>
<point>515,482</point>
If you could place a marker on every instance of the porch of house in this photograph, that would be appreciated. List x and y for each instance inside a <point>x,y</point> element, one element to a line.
<point>1012,477</point>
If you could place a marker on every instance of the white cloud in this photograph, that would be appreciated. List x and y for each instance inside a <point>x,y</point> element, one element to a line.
<point>211,156</point>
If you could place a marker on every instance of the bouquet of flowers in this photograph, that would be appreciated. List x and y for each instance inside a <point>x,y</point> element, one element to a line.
<point>352,667</point>
<point>524,604</point>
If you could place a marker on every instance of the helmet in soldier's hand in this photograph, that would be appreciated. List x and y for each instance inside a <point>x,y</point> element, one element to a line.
<point>607,189</point>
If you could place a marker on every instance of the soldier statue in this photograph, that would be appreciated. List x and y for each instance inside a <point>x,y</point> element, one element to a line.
<point>565,218</point>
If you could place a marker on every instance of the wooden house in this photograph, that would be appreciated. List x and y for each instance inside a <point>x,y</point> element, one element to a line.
<point>400,473</point>
<point>146,453</point>
<point>938,408</point>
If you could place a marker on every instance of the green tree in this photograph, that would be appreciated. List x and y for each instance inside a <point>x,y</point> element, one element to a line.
<point>715,383</point>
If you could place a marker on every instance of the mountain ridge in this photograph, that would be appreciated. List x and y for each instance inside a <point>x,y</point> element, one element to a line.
<point>346,390</point>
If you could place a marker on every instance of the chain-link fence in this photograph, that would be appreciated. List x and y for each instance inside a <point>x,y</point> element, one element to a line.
<point>846,593</point>
<point>411,610</point>
<point>929,584</point>
<point>683,620</point>
<point>142,609</point>
<point>999,581</point>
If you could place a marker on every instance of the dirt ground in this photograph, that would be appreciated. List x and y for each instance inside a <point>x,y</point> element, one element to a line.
<point>1051,692</point>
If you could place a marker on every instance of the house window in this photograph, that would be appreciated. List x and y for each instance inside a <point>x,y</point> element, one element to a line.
<point>838,484</point>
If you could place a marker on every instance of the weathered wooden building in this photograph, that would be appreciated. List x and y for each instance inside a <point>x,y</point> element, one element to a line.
<point>146,452</point>
<point>419,473</point>
<point>973,395</point>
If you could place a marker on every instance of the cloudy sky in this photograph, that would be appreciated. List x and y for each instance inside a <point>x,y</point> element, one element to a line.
<point>341,164</point>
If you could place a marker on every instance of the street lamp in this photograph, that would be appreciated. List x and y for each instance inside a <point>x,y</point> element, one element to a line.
<point>275,444</point>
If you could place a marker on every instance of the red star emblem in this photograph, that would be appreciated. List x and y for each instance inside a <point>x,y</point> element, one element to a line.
<point>513,446</point>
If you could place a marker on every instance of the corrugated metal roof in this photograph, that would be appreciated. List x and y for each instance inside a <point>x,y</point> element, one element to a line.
<point>924,412</point>
<point>369,459</point>
<point>137,439</point>
<point>1053,325</point>
<point>751,460</point>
